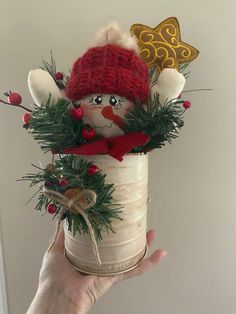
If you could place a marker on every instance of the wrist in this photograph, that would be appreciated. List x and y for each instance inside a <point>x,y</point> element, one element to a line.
<point>50,300</point>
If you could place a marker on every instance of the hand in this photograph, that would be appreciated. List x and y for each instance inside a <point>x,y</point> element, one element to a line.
<point>69,291</point>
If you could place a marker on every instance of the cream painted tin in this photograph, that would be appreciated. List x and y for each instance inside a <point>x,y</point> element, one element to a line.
<point>125,249</point>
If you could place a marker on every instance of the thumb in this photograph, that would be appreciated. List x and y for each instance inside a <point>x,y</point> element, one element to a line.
<point>58,245</point>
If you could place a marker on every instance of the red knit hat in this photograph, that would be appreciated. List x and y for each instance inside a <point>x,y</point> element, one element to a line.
<point>109,69</point>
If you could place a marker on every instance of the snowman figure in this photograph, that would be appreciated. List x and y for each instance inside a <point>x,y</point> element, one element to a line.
<point>106,82</point>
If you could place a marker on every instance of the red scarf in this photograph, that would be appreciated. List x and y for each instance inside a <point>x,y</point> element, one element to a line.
<point>116,146</point>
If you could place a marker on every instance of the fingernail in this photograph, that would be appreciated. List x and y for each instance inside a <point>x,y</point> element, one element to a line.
<point>164,253</point>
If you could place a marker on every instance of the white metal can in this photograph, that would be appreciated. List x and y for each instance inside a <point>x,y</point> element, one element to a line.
<point>123,250</point>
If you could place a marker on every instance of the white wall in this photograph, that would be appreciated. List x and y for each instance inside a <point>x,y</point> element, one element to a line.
<point>3,296</point>
<point>192,182</point>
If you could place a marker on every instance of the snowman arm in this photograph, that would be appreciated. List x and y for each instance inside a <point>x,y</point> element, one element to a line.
<point>169,85</point>
<point>42,86</point>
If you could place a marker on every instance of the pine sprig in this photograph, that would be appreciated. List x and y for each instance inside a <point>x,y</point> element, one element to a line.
<point>54,127</point>
<point>153,76</point>
<point>160,122</point>
<point>183,69</point>
<point>101,215</point>
<point>51,68</point>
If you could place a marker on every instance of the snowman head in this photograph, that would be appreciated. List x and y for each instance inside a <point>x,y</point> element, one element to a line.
<point>105,112</point>
<point>107,80</point>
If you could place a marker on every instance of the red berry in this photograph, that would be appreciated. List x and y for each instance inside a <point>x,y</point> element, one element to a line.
<point>59,76</point>
<point>14,99</point>
<point>64,181</point>
<point>92,170</point>
<point>187,104</point>
<point>77,113</point>
<point>88,132</point>
<point>27,118</point>
<point>52,208</point>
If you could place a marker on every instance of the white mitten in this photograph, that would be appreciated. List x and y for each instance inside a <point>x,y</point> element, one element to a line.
<point>41,85</point>
<point>169,85</point>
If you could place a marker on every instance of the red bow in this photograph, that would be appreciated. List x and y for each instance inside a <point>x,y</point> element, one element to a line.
<point>116,146</point>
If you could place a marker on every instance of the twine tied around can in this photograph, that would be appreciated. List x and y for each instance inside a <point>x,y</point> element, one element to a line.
<point>76,203</point>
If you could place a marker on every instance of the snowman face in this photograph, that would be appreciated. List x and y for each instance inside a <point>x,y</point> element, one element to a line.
<point>106,113</point>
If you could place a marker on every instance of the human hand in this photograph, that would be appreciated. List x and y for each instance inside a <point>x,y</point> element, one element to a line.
<point>68,291</point>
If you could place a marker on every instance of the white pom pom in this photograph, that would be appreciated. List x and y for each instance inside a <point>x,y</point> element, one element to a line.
<point>112,34</point>
<point>41,85</point>
<point>169,85</point>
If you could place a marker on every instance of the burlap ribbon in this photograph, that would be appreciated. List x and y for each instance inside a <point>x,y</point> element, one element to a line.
<point>76,203</point>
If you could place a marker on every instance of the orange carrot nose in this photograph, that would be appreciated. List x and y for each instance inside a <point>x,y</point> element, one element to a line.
<point>108,113</point>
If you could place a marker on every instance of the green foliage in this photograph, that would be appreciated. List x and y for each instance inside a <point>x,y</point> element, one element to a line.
<point>183,69</point>
<point>54,127</point>
<point>160,122</point>
<point>153,76</point>
<point>100,215</point>
<point>50,67</point>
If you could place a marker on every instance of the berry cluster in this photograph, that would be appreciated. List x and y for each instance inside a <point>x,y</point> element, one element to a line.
<point>64,182</point>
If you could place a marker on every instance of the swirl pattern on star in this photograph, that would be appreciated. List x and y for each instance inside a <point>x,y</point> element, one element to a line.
<point>162,46</point>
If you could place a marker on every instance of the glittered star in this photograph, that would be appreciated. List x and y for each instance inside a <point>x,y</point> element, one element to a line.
<point>161,46</point>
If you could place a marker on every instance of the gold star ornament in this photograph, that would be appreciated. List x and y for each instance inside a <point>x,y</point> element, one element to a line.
<point>161,46</point>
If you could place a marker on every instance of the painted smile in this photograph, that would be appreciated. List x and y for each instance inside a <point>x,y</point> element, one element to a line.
<point>100,127</point>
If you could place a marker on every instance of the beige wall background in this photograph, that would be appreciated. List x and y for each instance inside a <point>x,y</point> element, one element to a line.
<point>192,182</point>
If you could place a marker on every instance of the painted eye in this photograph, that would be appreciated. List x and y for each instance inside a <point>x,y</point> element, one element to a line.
<point>114,101</point>
<point>97,100</point>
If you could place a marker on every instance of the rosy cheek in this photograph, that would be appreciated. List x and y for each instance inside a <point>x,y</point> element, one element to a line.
<point>89,110</point>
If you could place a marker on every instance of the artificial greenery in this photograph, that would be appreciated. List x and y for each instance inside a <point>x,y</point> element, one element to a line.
<point>75,171</point>
<point>54,127</point>
<point>160,122</point>
<point>50,67</point>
